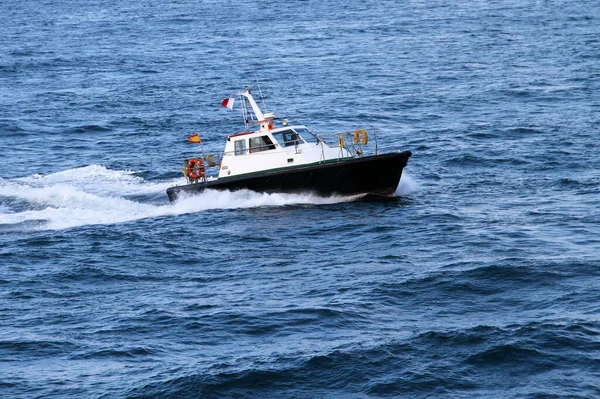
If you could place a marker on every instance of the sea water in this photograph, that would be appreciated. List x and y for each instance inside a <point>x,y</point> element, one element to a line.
<point>479,279</point>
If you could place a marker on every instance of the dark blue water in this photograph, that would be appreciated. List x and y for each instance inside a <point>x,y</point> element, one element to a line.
<point>481,279</point>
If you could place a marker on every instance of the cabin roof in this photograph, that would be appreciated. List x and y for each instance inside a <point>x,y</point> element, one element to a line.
<point>277,130</point>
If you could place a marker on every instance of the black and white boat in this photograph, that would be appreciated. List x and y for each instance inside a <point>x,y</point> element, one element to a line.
<point>293,159</point>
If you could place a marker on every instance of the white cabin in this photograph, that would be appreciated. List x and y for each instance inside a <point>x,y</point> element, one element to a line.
<point>274,148</point>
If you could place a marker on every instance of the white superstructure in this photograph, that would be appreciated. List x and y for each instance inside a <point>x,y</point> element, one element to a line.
<point>273,148</point>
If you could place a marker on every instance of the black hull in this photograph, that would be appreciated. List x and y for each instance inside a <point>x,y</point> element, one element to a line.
<point>376,175</point>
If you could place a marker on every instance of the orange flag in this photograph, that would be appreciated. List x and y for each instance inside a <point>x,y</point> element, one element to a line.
<point>194,138</point>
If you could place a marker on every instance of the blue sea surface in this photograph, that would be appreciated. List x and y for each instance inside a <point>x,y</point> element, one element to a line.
<point>481,278</point>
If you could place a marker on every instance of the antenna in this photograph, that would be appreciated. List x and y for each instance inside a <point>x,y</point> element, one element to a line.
<point>375,133</point>
<point>259,91</point>
<point>244,111</point>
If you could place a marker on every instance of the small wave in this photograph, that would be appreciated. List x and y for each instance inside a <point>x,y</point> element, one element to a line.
<point>524,130</point>
<point>514,274</point>
<point>512,354</point>
<point>88,128</point>
<point>13,349</point>
<point>96,274</point>
<point>125,353</point>
<point>471,336</point>
<point>466,160</point>
<point>278,322</point>
<point>483,135</point>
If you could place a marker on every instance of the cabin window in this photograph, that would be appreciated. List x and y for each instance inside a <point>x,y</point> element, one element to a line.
<point>306,134</point>
<point>240,147</point>
<point>288,138</point>
<point>262,143</point>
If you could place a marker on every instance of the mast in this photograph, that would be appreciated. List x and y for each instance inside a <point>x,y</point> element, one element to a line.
<point>265,121</point>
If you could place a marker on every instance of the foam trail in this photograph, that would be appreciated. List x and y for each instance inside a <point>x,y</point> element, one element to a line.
<point>406,186</point>
<point>66,199</point>
<point>211,199</point>
<point>98,179</point>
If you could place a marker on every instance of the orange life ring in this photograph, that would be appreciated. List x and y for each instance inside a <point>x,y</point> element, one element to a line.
<point>195,168</point>
<point>362,136</point>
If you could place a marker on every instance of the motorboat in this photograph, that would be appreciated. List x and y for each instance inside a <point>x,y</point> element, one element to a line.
<point>275,157</point>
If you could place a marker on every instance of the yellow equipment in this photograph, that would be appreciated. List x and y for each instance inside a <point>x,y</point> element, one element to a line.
<point>360,135</point>
<point>210,159</point>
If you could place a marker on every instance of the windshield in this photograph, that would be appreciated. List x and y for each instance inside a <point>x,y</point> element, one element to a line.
<point>288,138</point>
<point>306,134</point>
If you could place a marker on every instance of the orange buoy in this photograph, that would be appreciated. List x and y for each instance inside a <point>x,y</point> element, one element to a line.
<point>195,168</point>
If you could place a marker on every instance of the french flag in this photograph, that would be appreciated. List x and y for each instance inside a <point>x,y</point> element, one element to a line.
<point>228,102</point>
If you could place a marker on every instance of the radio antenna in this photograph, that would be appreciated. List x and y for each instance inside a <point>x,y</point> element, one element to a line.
<point>259,91</point>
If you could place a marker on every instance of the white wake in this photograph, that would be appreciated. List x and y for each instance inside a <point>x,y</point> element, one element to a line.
<point>97,195</point>
<point>407,186</point>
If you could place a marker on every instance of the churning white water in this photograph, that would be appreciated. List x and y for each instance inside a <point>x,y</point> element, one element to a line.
<point>97,195</point>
